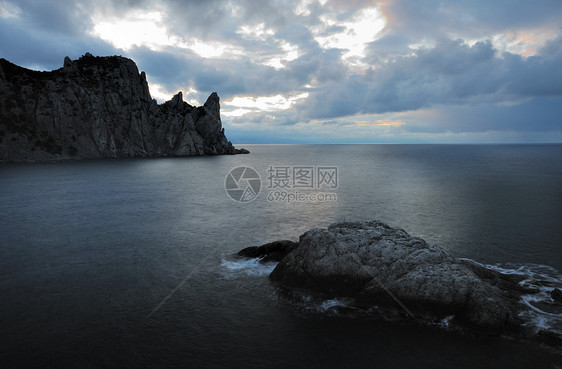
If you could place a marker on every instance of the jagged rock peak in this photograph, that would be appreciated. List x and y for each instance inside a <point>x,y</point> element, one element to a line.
<point>212,99</point>
<point>177,100</point>
<point>212,105</point>
<point>67,62</point>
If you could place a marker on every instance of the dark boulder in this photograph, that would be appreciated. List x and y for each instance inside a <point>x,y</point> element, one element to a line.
<point>273,251</point>
<point>556,295</point>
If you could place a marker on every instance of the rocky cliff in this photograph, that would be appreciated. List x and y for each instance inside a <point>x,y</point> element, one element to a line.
<point>100,107</point>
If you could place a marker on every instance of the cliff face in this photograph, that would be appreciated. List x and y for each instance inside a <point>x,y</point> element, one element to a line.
<point>100,107</point>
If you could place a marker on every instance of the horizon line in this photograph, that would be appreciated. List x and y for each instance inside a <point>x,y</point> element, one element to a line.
<point>406,143</point>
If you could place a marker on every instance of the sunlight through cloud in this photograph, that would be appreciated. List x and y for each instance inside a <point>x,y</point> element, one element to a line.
<point>139,28</point>
<point>8,10</point>
<point>257,31</point>
<point>291,52</point>
<point>247,104</point>
<point>353,35</point>
<point>524,42</point>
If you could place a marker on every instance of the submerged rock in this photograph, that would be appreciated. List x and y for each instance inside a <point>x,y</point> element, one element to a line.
<point>273,251</point>
<point>241,151</point>
<point>100,107</point>
<point>386,267</point>
<point>556,295</point>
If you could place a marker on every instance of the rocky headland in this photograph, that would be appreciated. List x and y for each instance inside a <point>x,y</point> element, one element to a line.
<point>384,267</point>
<point>100,107</point>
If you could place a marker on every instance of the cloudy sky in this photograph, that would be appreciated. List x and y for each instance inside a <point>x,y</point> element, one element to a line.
<point>390,71</point>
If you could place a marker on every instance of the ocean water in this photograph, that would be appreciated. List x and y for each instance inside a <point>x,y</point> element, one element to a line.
<point>89,249</point>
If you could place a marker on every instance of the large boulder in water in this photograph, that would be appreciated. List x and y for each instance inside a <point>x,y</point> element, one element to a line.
<point>384,266</point>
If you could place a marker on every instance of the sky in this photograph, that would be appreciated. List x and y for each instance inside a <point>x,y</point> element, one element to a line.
<point>324,71</point>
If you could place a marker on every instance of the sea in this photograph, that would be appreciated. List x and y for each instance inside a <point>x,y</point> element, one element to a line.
<point>129,263</point>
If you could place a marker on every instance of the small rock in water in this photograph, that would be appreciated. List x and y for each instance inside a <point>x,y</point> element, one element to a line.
<point>273,251</point>
<point>556,294</point>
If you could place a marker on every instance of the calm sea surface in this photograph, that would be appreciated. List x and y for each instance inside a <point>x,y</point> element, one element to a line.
<point>88,249</point>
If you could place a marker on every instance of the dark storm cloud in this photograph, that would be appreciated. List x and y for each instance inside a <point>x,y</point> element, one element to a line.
<point>176,71</point>
<point>436,21</point>
<point>450,73</point>
<point>45,49</point>
<point>53,17</point>
<point>216,19</point>
<point>539,114</point>
<point>475,18</point>
<point>234,77</point>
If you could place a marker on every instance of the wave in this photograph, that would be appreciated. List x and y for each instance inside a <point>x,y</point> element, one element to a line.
<point>247,267</point>
<point>309,305</point>
<point>542,313</point>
